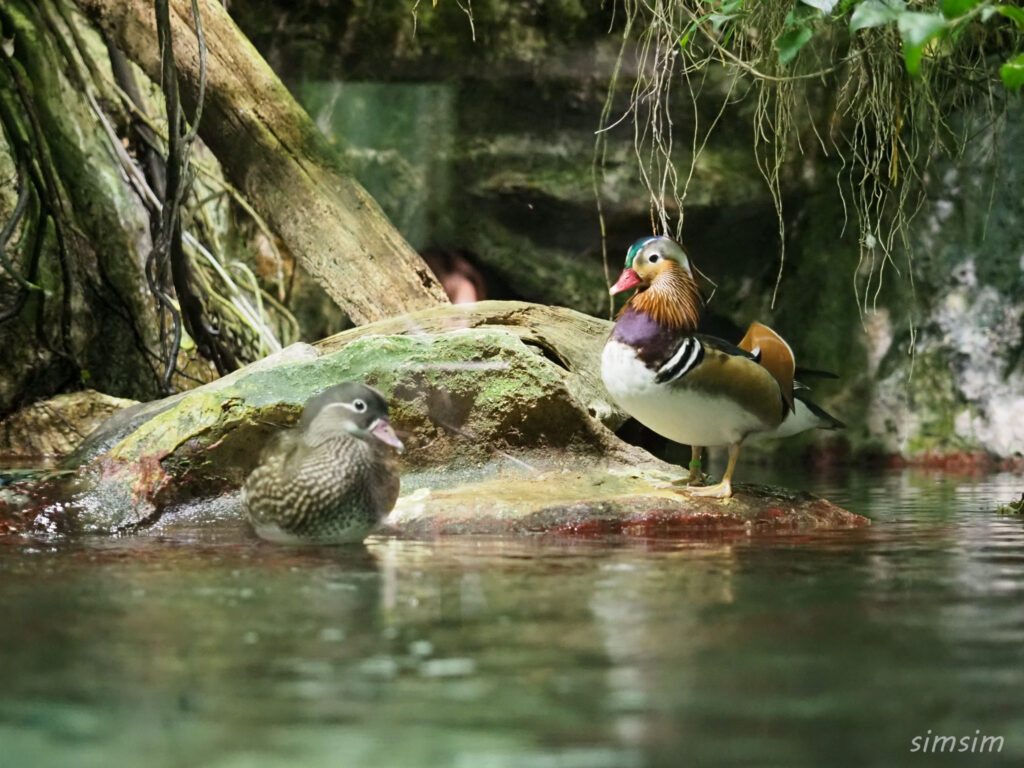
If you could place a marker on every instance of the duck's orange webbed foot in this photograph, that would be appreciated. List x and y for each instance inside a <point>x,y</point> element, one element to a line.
<point>722,490</point>
<point>696,476</point>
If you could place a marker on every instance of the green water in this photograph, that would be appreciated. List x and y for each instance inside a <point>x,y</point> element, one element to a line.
<point>197,645</point>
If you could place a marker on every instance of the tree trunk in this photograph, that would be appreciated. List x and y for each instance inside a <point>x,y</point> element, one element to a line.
<point>270,149</point>
<point>83,236</point>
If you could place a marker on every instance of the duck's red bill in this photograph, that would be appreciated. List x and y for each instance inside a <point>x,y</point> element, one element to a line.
<point>628,279</point>
<point>382,431</point>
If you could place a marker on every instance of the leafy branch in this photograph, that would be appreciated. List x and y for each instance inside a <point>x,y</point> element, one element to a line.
<point>932,28</point>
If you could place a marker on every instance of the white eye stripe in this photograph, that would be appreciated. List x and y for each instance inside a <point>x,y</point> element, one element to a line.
<point>672,253</point>
<point>353,406</point>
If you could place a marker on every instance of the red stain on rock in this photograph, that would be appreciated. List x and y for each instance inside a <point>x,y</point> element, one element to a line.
<point>755,511</point>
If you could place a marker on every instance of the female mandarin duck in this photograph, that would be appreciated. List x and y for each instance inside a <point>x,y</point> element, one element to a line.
<point>692,388</point>
<point>332,478</point>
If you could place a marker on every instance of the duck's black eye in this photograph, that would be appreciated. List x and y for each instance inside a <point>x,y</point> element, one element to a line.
<point>653,258</point>
<point>359,405</point>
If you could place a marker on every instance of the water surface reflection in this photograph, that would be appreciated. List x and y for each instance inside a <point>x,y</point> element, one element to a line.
<point>202,645</point>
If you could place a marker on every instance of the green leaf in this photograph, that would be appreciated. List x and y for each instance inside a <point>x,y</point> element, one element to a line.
<point>686,36</point>
<point>788,44</point>
<point>917,30</point>
<point>719,19</point>
<point>953,9</point>
<point>875,13</point>
<point>1012,73</point>
<point>1012,12</point>
<point>726,12</point>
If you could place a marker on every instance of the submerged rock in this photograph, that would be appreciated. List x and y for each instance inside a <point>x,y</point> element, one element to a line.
<point>506,424</point>
<point>607,498</point>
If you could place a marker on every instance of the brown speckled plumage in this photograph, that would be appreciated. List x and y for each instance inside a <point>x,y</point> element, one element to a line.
<point>319,486</point>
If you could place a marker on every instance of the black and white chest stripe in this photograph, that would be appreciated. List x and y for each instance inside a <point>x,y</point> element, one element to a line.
<point>687,357</point>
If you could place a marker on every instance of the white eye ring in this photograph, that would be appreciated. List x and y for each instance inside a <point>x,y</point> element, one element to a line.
<point>653,258</point>
<point>359,405</point>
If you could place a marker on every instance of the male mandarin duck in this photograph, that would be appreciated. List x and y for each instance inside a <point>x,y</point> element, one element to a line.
<point>330,479</point>
<point>693,388</point>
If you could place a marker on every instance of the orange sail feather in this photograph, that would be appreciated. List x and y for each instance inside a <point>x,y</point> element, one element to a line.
<point>774,355</point>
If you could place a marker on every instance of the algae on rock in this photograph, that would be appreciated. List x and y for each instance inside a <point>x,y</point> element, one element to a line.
<point>466,386</point>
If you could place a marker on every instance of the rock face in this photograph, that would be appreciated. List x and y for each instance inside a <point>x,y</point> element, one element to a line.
<point>505,421</point>
<point>964,388</point>
<point>54,428</point>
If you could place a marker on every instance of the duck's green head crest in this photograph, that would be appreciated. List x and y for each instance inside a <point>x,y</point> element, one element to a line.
<point>634,249</point>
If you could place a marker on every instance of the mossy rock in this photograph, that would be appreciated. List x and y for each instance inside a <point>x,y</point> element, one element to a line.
<point>466,387</point>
